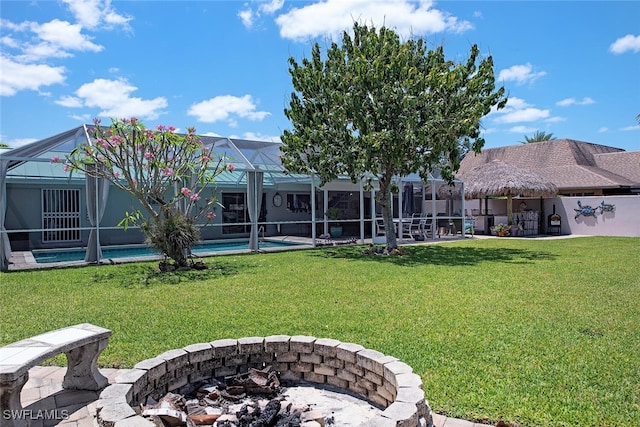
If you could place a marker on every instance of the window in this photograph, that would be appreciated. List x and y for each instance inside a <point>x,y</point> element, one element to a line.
<point>299,202</point>
<point>235,212</point>
<point>60,215</point>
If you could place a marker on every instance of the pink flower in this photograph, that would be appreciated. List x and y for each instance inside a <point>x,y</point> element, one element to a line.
<point>231,166</point>
<point>116,140</point>
<point>185,191</point>
<point>172,129</point>
<point>66,167</point>
<point>211,215</point>
<point>195,197</point>
<point>116,174</point>
<point>161,128</point>
<point>97,121</point>
<point>149,155</point>
<point>55,159</point>
<point>167,171</point>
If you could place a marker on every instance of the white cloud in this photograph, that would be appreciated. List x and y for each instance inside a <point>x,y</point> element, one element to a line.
<point>19,142</point>
<point>603,129</point>
<point>523,115</point>
<point>517,110</point>
<point>628,43</point>
<point>332,17</point>
<point>513,103</point>
<point>226,108</point>
<point>271,6</point>
<point>12,26</point>
<point>54,39</point>
<point>28,44</point>
<point>209,134</point>
<point>488,131</point>
<point>522,129</point>
<point>64,35</point>
<point>246,16</point>
<point>572,101</point>
<point>520,74</point>
<point>82,118</point>
<point>256,136</point>
<point>630,128</point>
<point>70,102</point>
<point>9,41</point>
<point>40,51</point>
<point>114,98</point>
<point>516,103</point>
<point>555,119</point>
<point>93,13</point>
<point>16,76</point>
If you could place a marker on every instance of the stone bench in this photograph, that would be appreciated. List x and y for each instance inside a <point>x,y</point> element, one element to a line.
<point>82,345</point>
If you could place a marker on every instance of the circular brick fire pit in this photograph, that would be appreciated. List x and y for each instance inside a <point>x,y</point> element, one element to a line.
<point>382,380</point>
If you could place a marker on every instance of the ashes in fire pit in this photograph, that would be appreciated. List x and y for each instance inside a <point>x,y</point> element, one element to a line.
<point>256,399</point>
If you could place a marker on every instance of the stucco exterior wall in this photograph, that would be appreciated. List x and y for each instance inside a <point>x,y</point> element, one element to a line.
<point>623,221</point>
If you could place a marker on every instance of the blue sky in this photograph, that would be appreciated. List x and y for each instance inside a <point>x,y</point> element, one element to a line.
<point>570,68</point>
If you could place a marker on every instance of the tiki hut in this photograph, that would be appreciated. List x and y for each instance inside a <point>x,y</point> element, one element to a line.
<point>499,179</point>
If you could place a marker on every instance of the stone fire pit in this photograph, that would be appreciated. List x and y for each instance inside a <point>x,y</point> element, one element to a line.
<point>381,380</point>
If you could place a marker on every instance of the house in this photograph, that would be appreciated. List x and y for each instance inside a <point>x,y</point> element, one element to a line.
<point>44,207</point>
<point>589,178</point>
<point>577,168</point>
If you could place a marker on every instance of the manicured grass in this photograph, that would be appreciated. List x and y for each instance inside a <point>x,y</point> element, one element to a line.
<point>538,332</point>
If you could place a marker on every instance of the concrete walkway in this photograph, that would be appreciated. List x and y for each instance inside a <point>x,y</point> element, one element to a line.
<point>47,404</point>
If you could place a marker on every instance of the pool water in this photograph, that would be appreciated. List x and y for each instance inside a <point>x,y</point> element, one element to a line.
<point>44,256</point>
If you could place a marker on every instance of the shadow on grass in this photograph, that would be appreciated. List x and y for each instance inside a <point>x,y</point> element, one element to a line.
<point>141,275</point>
<point>441,255</point>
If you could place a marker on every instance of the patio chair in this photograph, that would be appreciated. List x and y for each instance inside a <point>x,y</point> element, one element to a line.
<point>380,231</point>
<point>412,228</point>
<point>426,227</point>
<point>469,224</point>
<point>443,224</point>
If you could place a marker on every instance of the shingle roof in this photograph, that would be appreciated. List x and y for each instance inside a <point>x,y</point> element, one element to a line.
<point>569,164</point>
<point>626,164</point>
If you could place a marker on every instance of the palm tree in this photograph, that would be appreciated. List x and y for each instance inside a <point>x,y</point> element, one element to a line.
<point>538,136</point>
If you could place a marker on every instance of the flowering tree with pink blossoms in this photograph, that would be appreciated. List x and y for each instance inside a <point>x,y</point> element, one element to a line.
<point>165,171</point>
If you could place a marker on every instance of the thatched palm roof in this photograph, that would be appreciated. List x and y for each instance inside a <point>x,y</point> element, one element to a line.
<point>496,178</point>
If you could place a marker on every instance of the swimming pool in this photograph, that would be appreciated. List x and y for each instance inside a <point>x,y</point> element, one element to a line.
<point>47,256</point>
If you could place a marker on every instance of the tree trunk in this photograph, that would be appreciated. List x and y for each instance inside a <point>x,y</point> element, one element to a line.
<point>385,200</point>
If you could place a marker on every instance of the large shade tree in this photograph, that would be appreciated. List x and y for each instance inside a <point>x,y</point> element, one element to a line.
<point>378,107</point>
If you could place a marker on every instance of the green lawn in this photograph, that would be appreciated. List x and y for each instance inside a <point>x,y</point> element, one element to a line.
<point>538,332</point>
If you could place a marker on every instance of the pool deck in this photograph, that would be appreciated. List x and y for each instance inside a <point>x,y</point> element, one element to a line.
<point>24,260</point>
